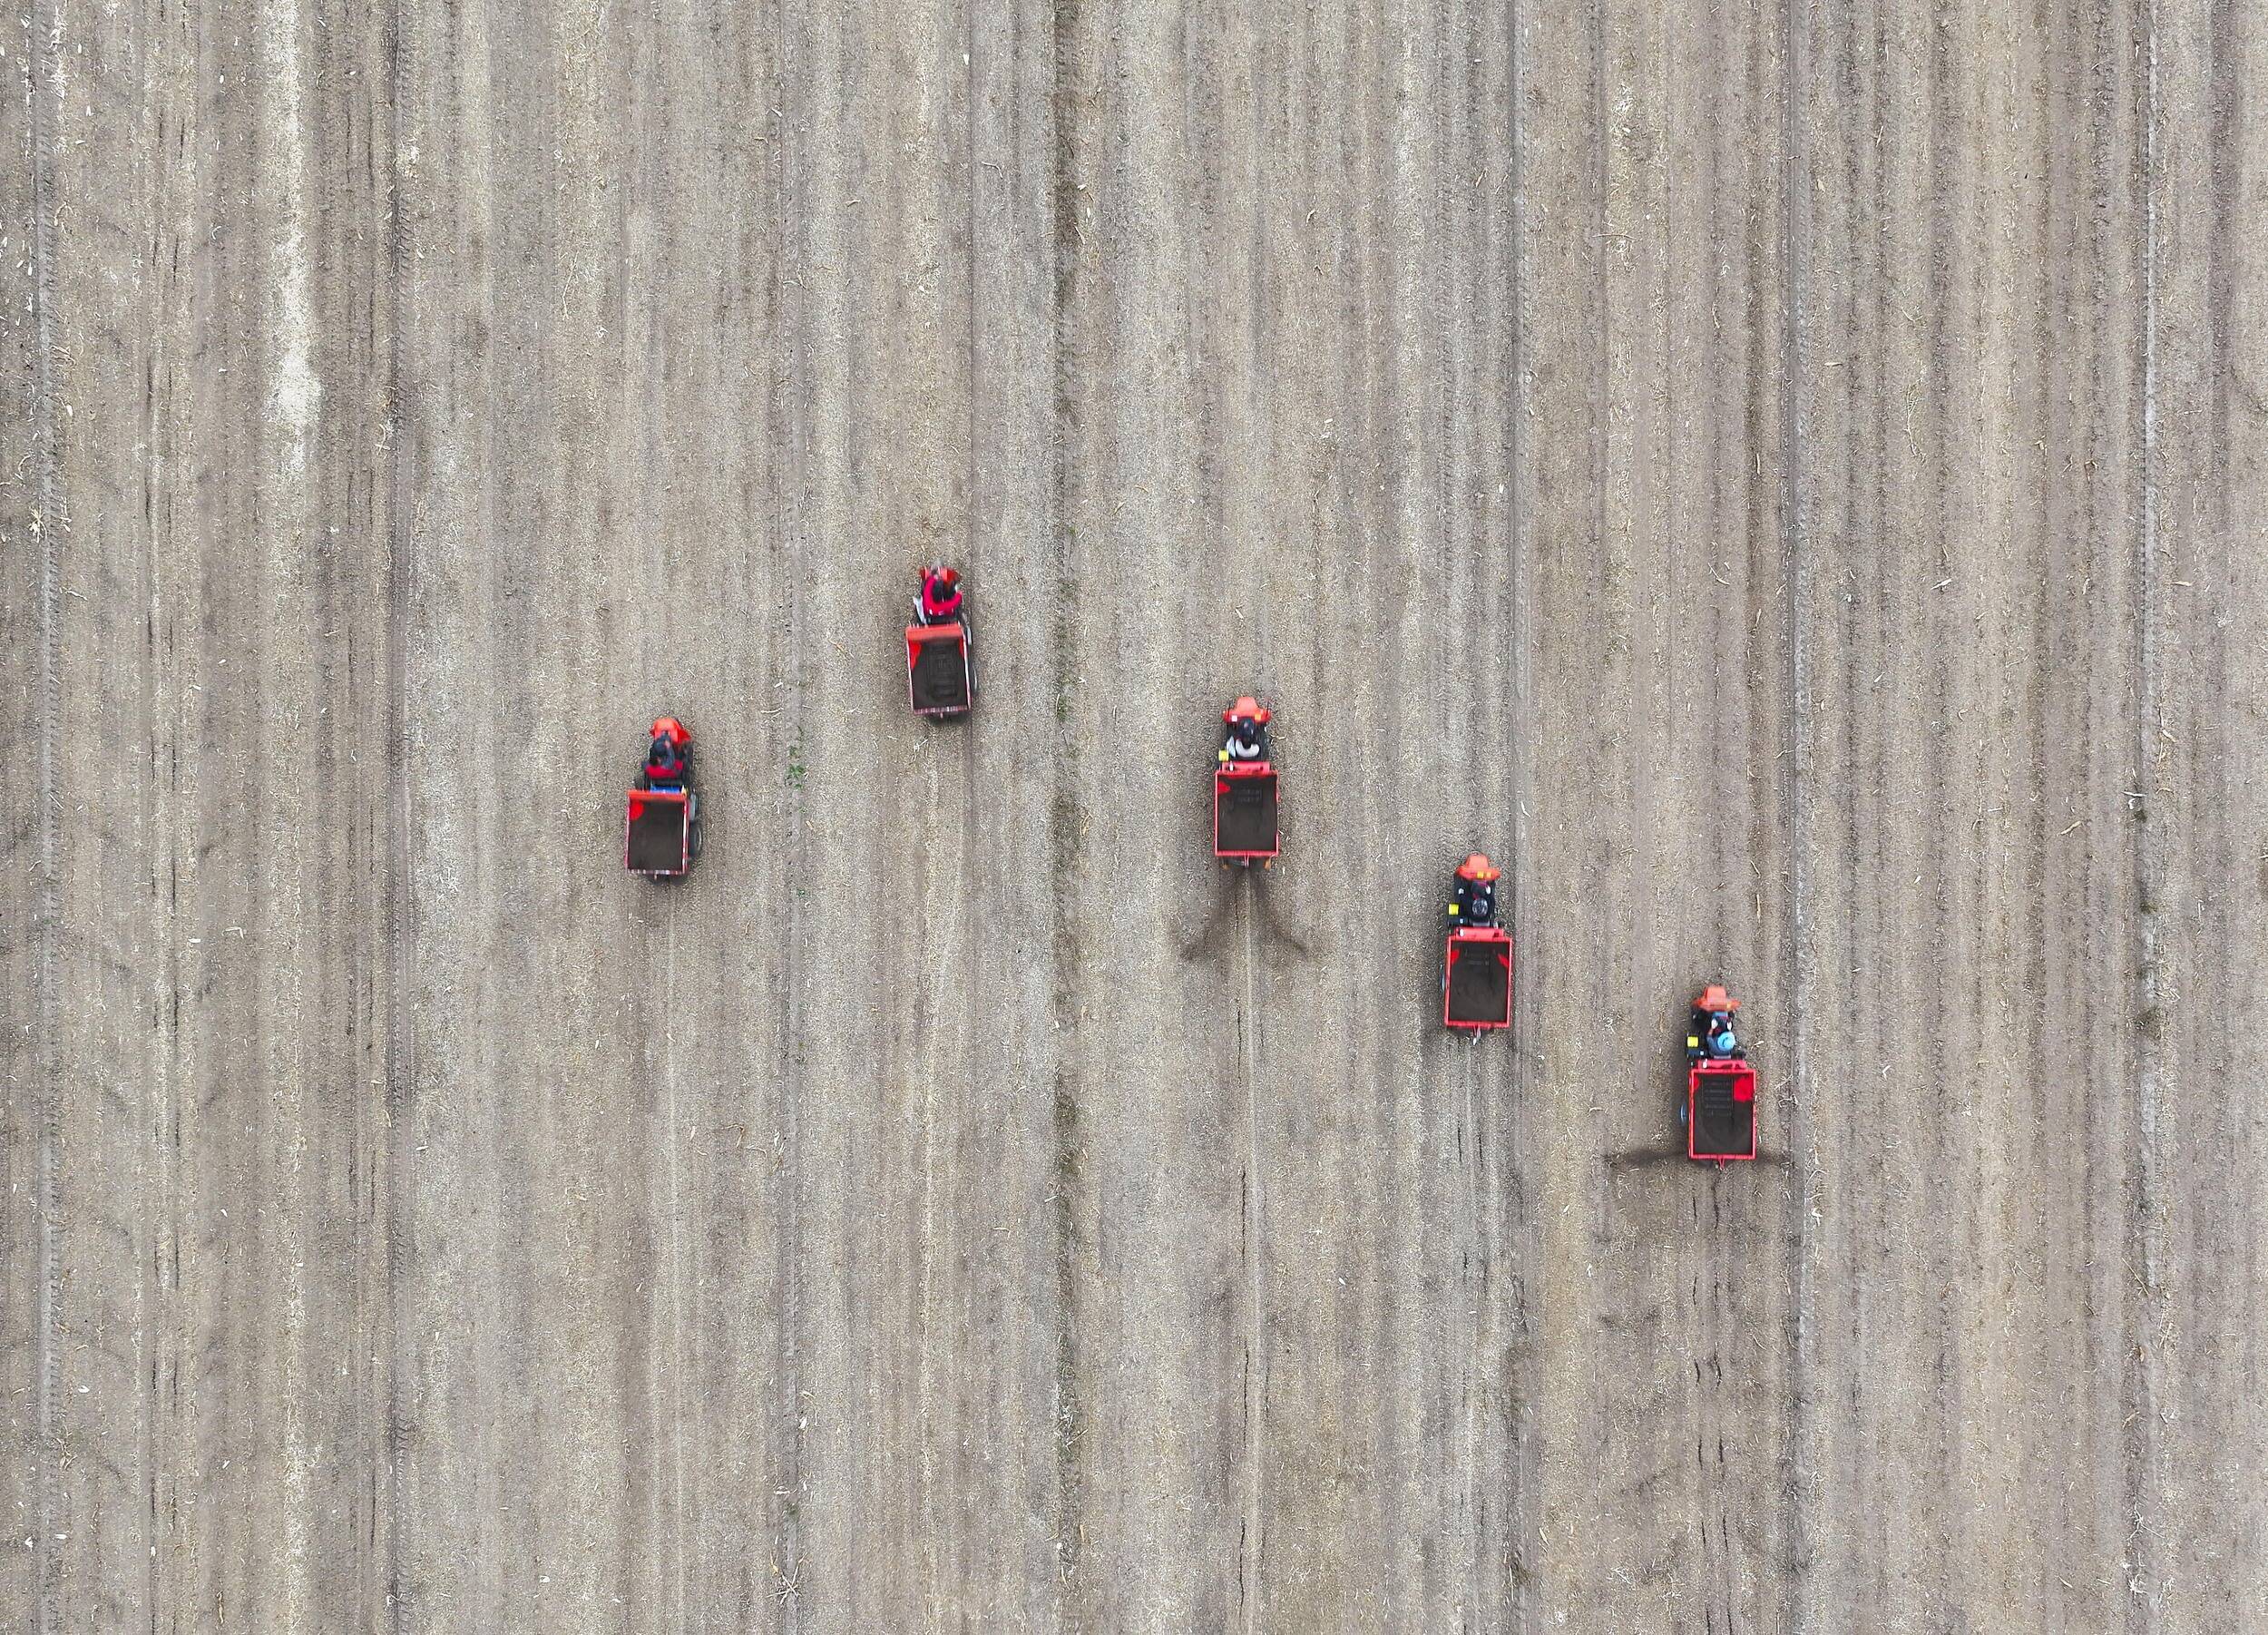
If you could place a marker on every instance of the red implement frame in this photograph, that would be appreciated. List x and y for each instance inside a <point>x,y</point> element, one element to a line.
<point>1477,945</point>
<point>646,811</point>
<point>1726,1092</point>
<point>931,676</point>
<point>1231,778</point>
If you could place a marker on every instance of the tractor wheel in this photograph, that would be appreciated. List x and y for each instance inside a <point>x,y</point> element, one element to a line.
<point>1684,1114</point>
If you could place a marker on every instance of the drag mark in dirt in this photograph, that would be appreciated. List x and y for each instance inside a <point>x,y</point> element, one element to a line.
<point>1715,1324</point>
<point>401,1066</point>
<point>941,898</point>
<point>1256,1317</point>
<point>788,430</point>
<point>1465,1324</point>
<point>1066,820</point>
<point>679,1280</point>
<point>1065,823</point>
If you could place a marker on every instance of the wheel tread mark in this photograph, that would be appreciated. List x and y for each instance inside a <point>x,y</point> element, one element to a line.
<point>679,1279</point>
<point>943,969</point>
<point>1795,756</point>
<point>398,1185</point>
<point>2140,1477</point>
<point>1251,1536</point>
<point>1066,822</point>
<point>44,94</point>
<point>785,431</point>
<point>1516,1578</point>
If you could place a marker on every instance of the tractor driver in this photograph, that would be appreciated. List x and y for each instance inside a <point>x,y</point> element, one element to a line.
<point>667,755</point>
<point>941,595</point>
<point>1247,732</point>
<point>1475,903</point>
<point>1718,1038</point>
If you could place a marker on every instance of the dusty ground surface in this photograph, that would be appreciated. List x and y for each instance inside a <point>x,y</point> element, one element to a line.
<point>1787,480</point>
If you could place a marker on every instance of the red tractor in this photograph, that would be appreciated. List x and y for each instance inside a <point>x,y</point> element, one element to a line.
<point>1719,1108</point>
<point>940,679</point>
<point>1244,790</point>
<point>661,835</point>
<point>1476,964</point>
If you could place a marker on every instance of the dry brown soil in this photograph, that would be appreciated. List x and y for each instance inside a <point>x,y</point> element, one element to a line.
<point>1787,480</point>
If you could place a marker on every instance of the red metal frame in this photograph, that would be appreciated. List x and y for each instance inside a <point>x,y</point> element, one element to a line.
<point>919,635</point>
<point>639,801</point>
<point>1473,943</point>
<point>1743,1088</point>
<point>1244,769</point>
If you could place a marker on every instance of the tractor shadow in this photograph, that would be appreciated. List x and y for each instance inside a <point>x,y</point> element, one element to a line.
<point>1646,1157</point>
<point>1212,934</point>
<point>1651,1158</point>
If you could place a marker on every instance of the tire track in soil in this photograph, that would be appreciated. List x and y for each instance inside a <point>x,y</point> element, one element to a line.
<point>42,93</point>
<point>788,433</point>
<point>2139,1397</point>
<point>2212,1040</point>
<point>1793,767</point>
<point>1066,820</point>
<point>678,1278</point>
<point>1463,1327</point>
<point>791,1199</point>
<point>157,735</point>
<point>1704,1322</point>
<point>1474,1337</point>
<point>351,105</point>
<point>1748,1306</point>
<point>1516,603</point>
<point>1952,1380</point>
<point>1065,825</point>
<point>401,1063</point>
<point>1251,1538</point>
<point>942,964</point>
